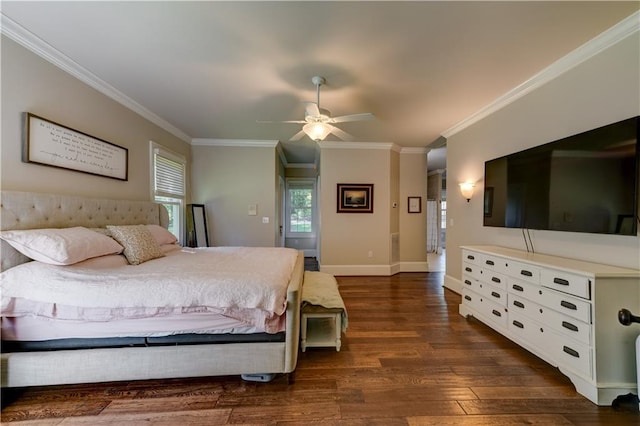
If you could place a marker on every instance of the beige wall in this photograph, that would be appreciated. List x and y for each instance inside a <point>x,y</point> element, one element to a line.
<point>227,180</point>
<point>347,238</point>
<point>602,90</point>
<point>394,182</point>
<point>413,226</point>
<point>31,84</point>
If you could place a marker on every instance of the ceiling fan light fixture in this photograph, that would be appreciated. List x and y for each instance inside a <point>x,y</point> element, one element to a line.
<point>317,131</point>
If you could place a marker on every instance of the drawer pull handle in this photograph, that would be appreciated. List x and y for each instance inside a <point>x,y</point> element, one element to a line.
<point>518,324</point>
<point>467,298</point>
<point>495,294</point>
<point>560,281</point>
<point>568,305</point>
<point>571,352</point>
<point>517,287</point>
<point>518,304</point>
<point>490,262</point>
<point>526,273</point>
<point>495,279</point>
<point>467,282</point>
<point>470,257</point>
<point>467,269</point>
<point>569,326</point>
<point>496,313</point>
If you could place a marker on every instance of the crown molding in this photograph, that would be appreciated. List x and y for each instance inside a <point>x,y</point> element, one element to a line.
<point>281,155</point>
<point>301,166</point>
<point>30,41</point>
<point>414,150</point>
<point>389,146</point>
<point>237,143</point>
<point>610,37</point>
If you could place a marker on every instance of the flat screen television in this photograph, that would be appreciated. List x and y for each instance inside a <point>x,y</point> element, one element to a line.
<point>583,183</point>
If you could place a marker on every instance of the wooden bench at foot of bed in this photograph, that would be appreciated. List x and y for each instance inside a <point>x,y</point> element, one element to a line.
<point>323,315</point>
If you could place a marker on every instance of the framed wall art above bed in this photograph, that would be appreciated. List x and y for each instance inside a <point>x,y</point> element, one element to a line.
<point>51,144</point>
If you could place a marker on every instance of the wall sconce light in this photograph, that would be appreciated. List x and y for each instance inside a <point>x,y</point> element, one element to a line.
<point>466,189</point>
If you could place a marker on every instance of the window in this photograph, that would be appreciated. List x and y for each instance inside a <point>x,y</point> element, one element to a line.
<point>168,172</point>
<point>300,208</point>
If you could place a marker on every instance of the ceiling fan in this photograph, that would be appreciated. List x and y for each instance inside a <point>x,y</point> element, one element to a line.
<point>318,123</point>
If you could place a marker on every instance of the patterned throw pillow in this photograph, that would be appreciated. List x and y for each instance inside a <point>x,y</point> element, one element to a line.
<point>138,242</point>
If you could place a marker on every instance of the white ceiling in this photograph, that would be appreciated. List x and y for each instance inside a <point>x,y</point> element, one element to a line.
<point>212,69</point>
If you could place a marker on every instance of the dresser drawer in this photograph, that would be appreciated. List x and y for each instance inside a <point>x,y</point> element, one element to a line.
<point>471,270</point>
<point>494,263</point>
<point>578,285</point>
<point>567,326</point>
<point>565,304</point>
<point>523,306</point>
<point>528,331</point>
<point>570,354</point>
<point>494,278</point>
<point>471,299</point>
<point>487,311</point>
<point>471,257</point>
<point>526,290</point>
<point>524,272</point>
<point>495,294</point>
<point>494,312</point>
<point>469,282</point>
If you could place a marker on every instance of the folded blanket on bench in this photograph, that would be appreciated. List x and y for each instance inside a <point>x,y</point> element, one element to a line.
<point>321,289</point>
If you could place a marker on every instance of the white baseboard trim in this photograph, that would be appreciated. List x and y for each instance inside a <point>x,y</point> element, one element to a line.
<point>414,267</point>
<point>357,270</point>
<point>395,268</point>
<point>453,284</point>
<point>375,270</point>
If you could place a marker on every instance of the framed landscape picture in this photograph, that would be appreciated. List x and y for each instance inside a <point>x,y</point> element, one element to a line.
<point>355,198</point>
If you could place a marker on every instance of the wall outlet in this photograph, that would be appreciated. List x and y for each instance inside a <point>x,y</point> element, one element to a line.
<point>265,219</point>
<point>370,254</point>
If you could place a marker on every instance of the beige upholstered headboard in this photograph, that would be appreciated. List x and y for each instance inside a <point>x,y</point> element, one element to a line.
<point>31,210</point>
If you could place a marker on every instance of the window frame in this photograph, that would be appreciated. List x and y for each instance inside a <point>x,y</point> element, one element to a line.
<point>301,183</point>
<point>167,197</point>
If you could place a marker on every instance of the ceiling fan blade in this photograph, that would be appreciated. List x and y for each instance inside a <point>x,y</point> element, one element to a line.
<point>288,121</point>
<point>297,136</point>
<point>311,109</point>
<point>353,117</point>
<point>341,134</point>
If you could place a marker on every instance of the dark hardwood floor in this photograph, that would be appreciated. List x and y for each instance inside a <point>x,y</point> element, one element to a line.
<point>408,358</point>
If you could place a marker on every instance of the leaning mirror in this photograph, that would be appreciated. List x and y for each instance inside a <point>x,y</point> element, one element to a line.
<point>197,235</point>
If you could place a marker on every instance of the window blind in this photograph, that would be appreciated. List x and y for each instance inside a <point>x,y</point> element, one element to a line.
<point>169,175</point>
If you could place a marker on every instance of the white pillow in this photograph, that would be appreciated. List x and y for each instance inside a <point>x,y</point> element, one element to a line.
<point>162,235</point>
<point>64,246</point>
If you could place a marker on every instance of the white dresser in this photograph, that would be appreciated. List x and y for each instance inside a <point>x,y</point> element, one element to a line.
<point>563,310</point>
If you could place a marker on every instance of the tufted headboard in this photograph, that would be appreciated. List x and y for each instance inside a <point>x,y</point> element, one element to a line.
<point>31,210</point>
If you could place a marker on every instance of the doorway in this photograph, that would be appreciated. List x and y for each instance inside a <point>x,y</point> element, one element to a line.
<point>436,209</point>
<point>301,217</point>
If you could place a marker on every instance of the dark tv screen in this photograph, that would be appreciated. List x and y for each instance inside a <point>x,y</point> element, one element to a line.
<point>583,183</point>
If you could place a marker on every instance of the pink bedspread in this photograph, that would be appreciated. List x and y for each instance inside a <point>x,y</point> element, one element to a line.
<point>245,283</point>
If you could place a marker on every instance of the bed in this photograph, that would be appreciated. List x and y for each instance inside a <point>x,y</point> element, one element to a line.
<point>177,330</point>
